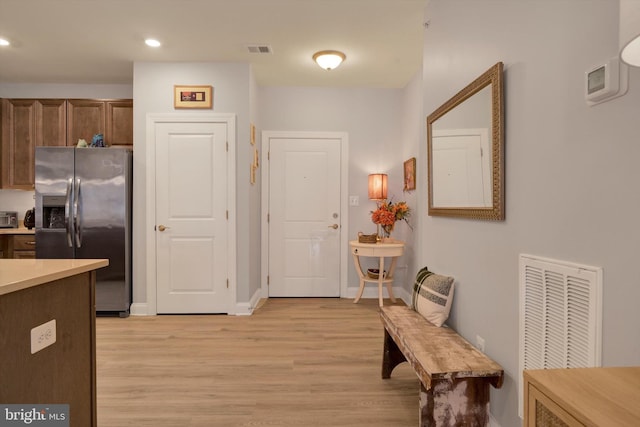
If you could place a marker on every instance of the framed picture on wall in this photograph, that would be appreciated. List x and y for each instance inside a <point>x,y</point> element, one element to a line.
<point>410,174</point>
<point>192,96</point>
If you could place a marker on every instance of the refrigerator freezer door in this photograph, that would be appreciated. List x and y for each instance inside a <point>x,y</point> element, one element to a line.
<point>103,221</point>
<point>54,171</point>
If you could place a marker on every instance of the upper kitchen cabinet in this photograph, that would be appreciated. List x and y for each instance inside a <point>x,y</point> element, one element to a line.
<point>112,118</point>
<point>27,123</point>
<point>119,129</point>
<point>86,117</point>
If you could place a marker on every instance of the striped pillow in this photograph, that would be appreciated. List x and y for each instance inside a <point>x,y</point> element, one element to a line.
<point>432,296</point>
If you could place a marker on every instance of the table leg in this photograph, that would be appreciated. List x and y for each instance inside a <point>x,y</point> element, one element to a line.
<point>356,261</point>
<point>392,269</point>
<point>381,277</point>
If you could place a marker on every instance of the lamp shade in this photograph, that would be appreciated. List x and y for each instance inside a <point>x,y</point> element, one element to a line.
<point>329,59</point>
<point>630,32</point>
<point>378,186</point>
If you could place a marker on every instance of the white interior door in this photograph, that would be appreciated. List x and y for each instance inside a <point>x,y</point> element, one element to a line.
<point>304,217</point>
<point>191,223</point>
<point>461,168</point>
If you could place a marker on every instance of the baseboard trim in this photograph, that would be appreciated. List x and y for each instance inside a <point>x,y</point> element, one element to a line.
<point>139,309</point>
<point>246,308</point>
<point>371,292</point>
<point>492,421</point>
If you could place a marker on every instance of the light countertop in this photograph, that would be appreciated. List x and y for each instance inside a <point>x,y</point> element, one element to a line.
<point>17,274</point>
<point>19,230</point>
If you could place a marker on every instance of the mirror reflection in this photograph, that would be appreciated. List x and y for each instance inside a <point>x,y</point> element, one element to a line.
<point>465,145</point>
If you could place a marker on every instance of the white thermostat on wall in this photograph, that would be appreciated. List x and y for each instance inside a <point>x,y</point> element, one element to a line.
<point>606,81</point>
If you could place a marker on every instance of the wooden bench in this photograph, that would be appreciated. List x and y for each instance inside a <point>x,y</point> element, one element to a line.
<point>454,375</point>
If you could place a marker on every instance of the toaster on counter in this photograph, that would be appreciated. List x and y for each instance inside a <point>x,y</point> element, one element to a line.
<point>8,219</point>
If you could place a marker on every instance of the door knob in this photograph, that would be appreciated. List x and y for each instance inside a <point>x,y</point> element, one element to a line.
<point>334,226</point>
<point>162,227</point>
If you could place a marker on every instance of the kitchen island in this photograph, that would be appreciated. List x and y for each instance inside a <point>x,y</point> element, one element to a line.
<point>47,334</point>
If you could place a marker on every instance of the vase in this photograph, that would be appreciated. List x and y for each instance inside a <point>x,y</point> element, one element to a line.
<point>386,231</point>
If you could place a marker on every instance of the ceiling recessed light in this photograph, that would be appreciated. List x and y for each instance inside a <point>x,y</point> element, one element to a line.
<point>4,42</point>
<point>152,42</point>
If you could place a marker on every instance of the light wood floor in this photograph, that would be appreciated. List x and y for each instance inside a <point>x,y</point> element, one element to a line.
<point>294,362</point>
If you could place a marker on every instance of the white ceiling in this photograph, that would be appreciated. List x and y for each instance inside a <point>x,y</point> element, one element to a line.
<point>97,41</point>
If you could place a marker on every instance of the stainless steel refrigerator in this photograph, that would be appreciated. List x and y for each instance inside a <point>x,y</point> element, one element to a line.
<point>83,210</point>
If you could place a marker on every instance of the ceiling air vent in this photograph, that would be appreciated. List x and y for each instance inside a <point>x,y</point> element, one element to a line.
<point>259,48</point>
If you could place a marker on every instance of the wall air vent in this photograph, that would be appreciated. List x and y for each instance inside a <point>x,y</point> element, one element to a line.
<point>560,315</point>
<point>259,48</point>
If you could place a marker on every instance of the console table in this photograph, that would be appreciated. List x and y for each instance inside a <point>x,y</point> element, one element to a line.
<point>389,249</point>
<point>582,397</point>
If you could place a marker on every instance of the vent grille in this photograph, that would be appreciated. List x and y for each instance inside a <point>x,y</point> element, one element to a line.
<point>560,315</point>
<point>259,48</point>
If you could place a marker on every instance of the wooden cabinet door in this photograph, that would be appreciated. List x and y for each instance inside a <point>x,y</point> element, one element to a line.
<point>18,143</point>
<point>51,122</point>
<point>119,129</point>
<point>17,246</point>
<point>27,123</point>
<point>543,411</point>
<point>85,118</point>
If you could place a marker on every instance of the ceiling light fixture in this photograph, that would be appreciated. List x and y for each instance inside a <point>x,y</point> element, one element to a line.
<point>152,42</point>
<point>629,32</point>
<point>329,59</point>
<point>4,42</point>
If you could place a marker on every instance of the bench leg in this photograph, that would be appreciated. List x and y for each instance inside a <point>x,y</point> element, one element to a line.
<point>459,402</point>
<point>391,356</point>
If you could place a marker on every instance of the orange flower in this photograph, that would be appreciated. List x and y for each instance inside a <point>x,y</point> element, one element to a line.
<point>388,213</point>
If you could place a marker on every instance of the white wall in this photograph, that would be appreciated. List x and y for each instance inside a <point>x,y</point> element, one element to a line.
<point>17,200</point>
<point>58,90</point>
<point>371,117</point>
<point>571,170</point>
<point>413,131</point>
<point>254,291</point>
<point>153,93</point>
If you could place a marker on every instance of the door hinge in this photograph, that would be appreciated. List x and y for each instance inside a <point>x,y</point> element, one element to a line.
<point>227,146</point>
<point>227,283</point>
<point>268,155</point>
<point>267,280</point>
<point>268,217</point>
<point>227,214</point>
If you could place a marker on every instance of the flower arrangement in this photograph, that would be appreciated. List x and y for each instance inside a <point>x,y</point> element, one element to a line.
<point>388,213</point>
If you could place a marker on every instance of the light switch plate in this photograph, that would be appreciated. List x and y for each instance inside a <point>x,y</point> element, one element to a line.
<point>43,336</point>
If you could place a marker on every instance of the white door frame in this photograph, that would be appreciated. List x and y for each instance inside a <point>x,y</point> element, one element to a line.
<point>150,222</point>
<point>344,201</point>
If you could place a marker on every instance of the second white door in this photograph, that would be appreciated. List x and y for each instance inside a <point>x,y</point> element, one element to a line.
<point>191,217</point>
<point>304,217</point>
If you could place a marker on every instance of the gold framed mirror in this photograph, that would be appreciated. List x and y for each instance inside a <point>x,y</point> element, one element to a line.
<point>465,149</point>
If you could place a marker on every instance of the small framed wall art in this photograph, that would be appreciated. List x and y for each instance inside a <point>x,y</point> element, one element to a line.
<point>410,174</point>
<point>193,97</point>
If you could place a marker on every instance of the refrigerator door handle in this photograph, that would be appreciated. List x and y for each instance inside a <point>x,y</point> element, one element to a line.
<point>77,215</point>
<point>67,211</point>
